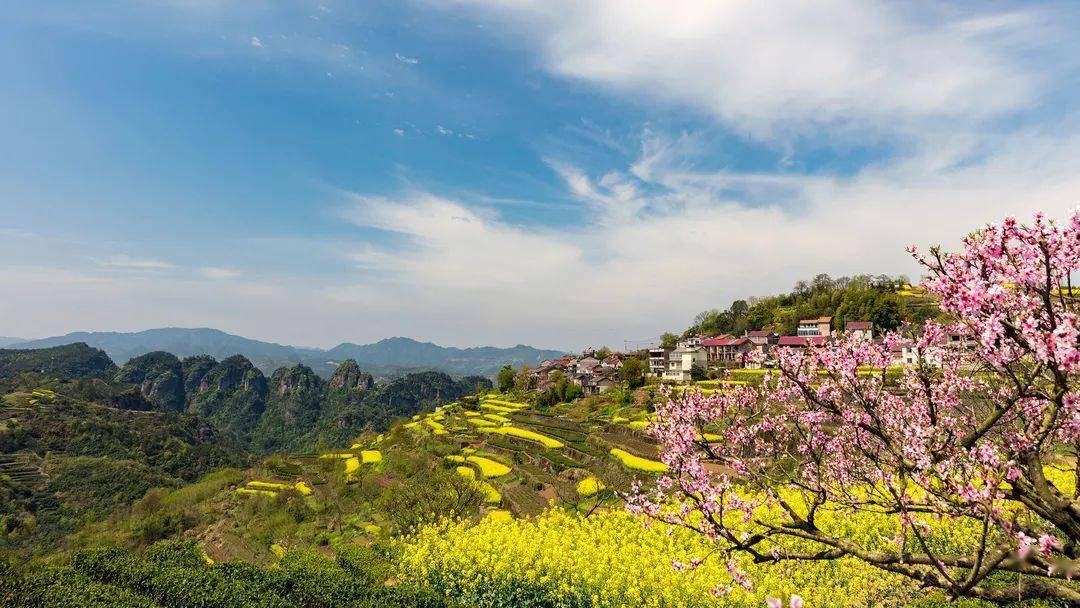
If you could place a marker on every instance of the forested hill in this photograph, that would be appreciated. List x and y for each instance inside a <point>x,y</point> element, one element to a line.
<point>80,437</point>
<point>886,301</point>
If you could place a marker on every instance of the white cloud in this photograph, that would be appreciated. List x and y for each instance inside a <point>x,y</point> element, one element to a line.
<point>654,251</point>
<point>399,132</point>
<point>255,42</point>
<point>219,274</point>
<point>768,66</point>
<point>441,130</point>
<point>126,262</point>
<point>404,59</point>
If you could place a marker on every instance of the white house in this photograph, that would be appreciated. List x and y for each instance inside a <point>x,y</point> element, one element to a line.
<point>681,360</point>
<point>821,326</point>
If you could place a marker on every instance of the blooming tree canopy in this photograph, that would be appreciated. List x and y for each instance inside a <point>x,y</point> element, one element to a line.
<point>964,462</point>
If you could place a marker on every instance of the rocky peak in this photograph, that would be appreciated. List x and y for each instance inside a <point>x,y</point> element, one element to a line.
<point>234,373</point>
<point>349,376</point>
<point>159,377</point>
<point>195,368</point>
<point>298,378</point>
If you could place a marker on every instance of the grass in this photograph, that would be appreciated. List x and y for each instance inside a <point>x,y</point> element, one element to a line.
<point>637,463</point>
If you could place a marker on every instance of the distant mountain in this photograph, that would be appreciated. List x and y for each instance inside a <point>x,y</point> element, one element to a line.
<point>8,340</point>
<point>181,342</point>
<point>390,357</point>
<point>405,352</point>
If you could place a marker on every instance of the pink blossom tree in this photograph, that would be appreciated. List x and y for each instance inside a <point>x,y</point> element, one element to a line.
<point>980,434</point>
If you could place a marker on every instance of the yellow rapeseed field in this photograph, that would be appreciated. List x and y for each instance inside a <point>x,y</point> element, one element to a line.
<point>638,463</point>
<point>489,468</point>
<point>612,560</point>
<point>513,431</point>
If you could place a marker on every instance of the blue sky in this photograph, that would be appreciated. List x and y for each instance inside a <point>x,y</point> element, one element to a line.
<point>555,173</point>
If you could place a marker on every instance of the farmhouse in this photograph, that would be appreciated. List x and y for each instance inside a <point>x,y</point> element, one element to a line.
<point>682,360</point>
<point>658,361</point>
<point>821,326</point>
<point>726,351</point>
<point>860,330</point>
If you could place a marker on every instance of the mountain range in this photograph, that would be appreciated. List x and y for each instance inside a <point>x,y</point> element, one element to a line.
<point>387,357</point>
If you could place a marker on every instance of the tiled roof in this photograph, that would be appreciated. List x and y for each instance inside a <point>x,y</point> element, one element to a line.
<point>858,325</point>
<point>723,341</point>
<point>817,320</point>
<point>802,340</point>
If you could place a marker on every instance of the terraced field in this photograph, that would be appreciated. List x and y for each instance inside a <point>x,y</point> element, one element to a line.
<point>541,457</point>
<point>522,460</point>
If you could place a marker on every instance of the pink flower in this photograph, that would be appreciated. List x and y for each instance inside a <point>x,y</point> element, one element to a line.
<point>773,602</point>
<point>1048,543</point>
<point>820,427</point>
<point>796,601</point>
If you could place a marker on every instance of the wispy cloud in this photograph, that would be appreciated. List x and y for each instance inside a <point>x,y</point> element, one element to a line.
<point>127,262</point>
<point>219,274</point>
<point>408,60</point>
<point>768,68</point>
<point>255,42</point>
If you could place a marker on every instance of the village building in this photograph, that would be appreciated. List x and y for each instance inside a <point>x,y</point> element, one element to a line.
<point>859,330</point>
<point>821,326</point>
<point>691,341</point>
<point>601,380</point>
<point>682,360</point>
<point>801,341</point>
<point>726,351</point>
<point>761,342</point>
<point>658,361</point>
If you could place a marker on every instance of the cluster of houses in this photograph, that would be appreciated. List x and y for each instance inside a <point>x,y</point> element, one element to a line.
<point>753,349</point>
<point>594,375</point>
<point>711,355</point>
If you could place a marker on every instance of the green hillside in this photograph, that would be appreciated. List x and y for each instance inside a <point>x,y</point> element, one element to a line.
<point>80,439</point>
<point>368,525</point>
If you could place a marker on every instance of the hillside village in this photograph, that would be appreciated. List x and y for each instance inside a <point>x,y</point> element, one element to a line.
<point>698,357</point>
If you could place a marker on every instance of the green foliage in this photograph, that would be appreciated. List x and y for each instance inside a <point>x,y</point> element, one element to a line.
<point>633,372</point>
<point>859,298</point>
<point>430,495</point>
<point>561,390</point>
<point>72,361</point>
<point>504,381</point>
<point>175,575</point>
